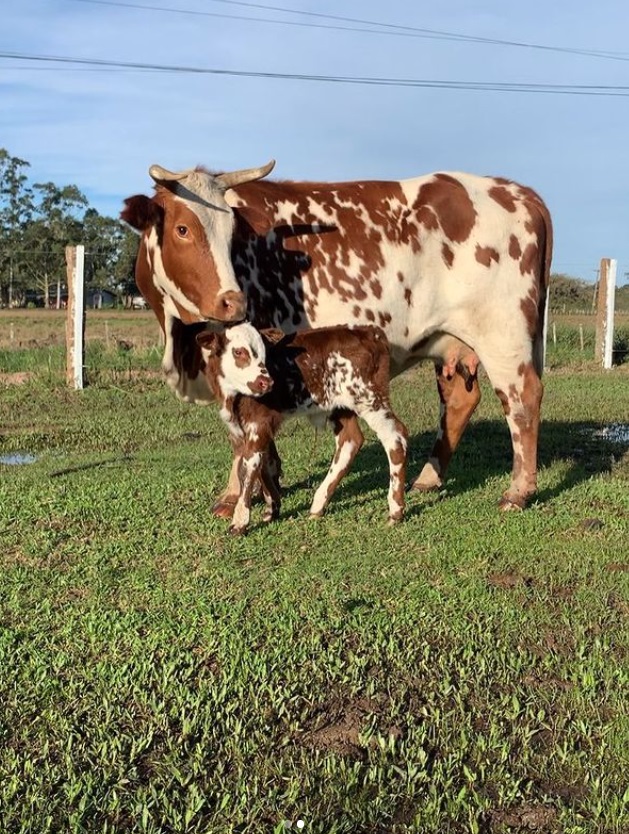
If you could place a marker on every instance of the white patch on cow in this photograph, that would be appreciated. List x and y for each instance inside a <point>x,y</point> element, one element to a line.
<point>163,282</point>
<point>216,217</point>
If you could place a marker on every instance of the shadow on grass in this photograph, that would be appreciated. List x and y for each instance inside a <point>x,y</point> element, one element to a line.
<point>485,452</point>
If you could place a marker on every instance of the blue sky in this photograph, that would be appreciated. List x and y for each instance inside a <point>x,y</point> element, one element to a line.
<point>100,127</point>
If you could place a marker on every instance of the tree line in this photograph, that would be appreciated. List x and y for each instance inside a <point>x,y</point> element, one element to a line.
<point>37,222</point>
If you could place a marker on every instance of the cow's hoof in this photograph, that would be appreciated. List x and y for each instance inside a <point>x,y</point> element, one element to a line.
<point>317,515</point>
<point>507,504</point>
<point>424,486</point>
<point>237,531</point>
<point>394,519</point>
<point>223,509</point>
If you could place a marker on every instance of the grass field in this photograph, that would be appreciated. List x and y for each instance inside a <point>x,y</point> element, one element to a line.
<point>465,671</point>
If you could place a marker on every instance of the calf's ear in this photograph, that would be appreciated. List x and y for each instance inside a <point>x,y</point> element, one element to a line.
<point>210,342</point>
<point>272,334</point>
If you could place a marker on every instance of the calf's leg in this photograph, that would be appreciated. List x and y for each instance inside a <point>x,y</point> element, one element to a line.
<point>249,471</point>
<point>349,439</point>
<point>393,435</point>
<point>225,503</point>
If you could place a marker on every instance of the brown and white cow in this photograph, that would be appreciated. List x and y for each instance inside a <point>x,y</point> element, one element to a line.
<point>453,267</point>
<point>336,371</point>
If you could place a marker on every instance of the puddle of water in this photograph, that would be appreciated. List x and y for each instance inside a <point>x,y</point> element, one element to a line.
<point>615,432</point>
<point>18,459</point>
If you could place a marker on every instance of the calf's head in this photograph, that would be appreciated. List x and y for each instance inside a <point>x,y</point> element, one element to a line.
<point>185,251</point>
<point>236,357</point>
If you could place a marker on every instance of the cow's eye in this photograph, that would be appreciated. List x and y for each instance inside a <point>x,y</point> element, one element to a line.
<point>182,231</point>
<point>239,353</point>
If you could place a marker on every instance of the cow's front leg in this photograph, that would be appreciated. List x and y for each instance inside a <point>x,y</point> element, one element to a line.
<point>459,394</point>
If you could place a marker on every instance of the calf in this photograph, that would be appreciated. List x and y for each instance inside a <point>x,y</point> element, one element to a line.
<point>337,371</point>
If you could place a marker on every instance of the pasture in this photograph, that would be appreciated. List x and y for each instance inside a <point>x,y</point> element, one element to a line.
<point>465,671</point>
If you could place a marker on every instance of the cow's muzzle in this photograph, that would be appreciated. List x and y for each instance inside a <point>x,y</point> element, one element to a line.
<point>229,307</point>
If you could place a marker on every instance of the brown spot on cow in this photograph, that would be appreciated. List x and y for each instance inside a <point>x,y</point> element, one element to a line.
<point>504,399</point>
<point>450,203</point>
<point>447,254</point>
<point>384,319</point>
<point>408,295</point>
<point>503,197</point>
<point>530,310</point>
<point>486,254</point>
<point>529,259</point>
<point>400,277</point>
<point>515,250</point>
<point>356,311</point>
<point>370,315</point>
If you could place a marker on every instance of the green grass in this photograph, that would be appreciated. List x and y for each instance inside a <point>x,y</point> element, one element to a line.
<point>466,671</point>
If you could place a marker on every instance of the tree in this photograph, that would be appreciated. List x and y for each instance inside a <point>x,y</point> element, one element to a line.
<point>57,223</point>
<point>110,251</point>
<point>16,210</point>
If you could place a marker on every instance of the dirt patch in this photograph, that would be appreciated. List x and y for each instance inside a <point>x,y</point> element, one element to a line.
<point>508,580</point>
<point>524,817</point>
<point>16,378</point>
<point>336,726</point>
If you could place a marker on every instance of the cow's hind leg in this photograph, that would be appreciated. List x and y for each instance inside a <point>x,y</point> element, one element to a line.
<point>520,391</point>
<point>459,394</point>
<point>349,439</point>
<point>393,435</point>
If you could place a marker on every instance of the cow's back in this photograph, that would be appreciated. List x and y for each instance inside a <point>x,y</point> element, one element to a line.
<point>431,260</point>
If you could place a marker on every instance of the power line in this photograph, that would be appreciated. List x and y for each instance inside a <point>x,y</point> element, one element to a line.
<point>382,28</point>
<point>486,86</point>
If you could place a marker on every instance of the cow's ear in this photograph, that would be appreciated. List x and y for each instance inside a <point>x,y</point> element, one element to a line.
<point>273,334</point>
<point>140,212</point>
<point>210,342</point>
<point>251,221</point>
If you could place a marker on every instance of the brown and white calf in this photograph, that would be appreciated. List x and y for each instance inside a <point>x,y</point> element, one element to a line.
<point>335,371</point>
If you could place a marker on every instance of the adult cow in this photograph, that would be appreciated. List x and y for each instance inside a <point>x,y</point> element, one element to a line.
<point>454,267</point>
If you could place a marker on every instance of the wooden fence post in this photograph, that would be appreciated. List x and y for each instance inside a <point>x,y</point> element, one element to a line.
<point>75,316</point>
<point>604,342</point>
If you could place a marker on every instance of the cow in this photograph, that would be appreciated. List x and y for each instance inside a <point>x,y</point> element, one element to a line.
<point>259,379</point>
<point>453,267</point>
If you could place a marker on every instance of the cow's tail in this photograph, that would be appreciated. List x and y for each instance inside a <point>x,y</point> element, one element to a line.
<point>539,341</point>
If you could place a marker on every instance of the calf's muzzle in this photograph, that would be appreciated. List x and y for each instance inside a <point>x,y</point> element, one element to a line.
<point>261,384</point>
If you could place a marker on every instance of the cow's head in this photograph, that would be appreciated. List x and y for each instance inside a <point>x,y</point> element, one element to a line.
<point>236,356</point>
<point>185,252</point>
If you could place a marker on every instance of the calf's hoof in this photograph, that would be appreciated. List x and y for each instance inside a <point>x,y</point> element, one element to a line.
<point>395,519</point>
<point>237,531</point>
<point>223,509</point>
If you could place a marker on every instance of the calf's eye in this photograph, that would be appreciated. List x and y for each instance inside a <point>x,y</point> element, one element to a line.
<point>182,231</point>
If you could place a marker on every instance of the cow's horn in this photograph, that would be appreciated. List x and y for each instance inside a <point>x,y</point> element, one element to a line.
<point>234,178</point>
<point>160,174</point>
